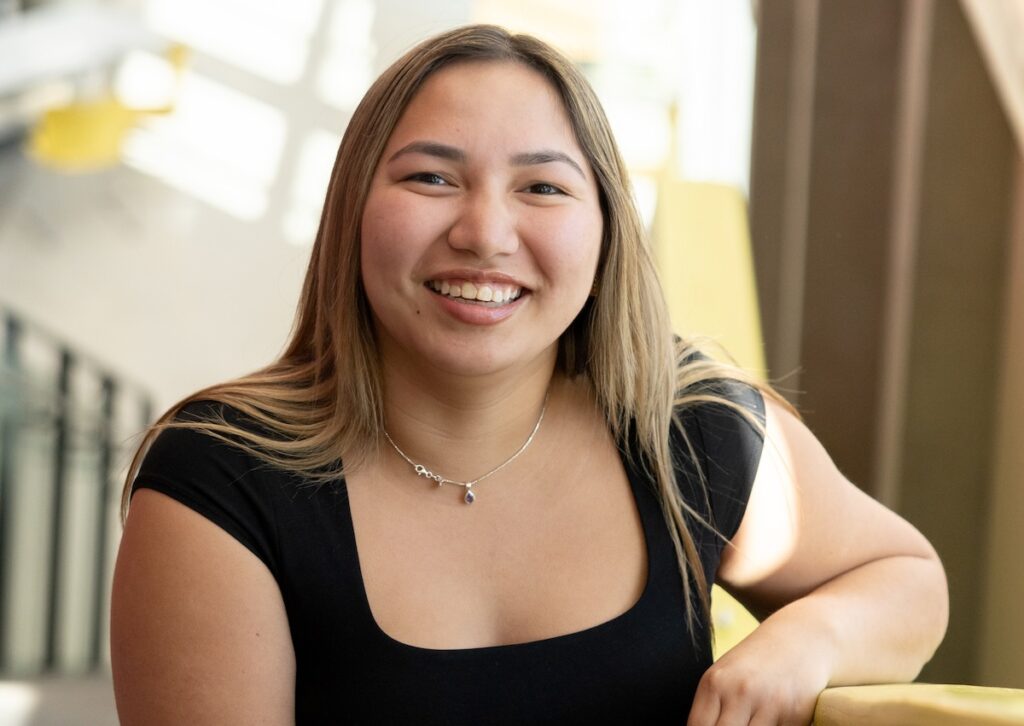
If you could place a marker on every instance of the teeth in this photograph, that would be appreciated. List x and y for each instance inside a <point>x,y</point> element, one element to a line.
<point>470,291</point>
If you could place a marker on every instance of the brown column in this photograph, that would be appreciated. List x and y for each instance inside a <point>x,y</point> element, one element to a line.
<point>1001,647</point>
<point>881,237</point>
<point>954,341</point>
<point>820,208</point>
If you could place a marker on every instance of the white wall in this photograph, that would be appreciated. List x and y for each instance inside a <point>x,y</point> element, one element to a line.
<point>160,272</point>
<point>183,267</point>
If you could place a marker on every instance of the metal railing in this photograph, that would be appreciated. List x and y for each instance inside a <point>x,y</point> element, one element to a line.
<point>66,422</point>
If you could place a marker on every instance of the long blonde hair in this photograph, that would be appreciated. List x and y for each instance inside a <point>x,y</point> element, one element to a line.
<point>321,402</point>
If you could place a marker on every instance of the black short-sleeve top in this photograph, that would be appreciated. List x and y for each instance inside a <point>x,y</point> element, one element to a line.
<point>642,666</point>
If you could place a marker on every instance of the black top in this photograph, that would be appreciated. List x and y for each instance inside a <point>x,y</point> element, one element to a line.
<point>641,666</point>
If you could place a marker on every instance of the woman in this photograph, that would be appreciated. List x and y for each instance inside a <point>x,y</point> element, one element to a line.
<point>484,484</point>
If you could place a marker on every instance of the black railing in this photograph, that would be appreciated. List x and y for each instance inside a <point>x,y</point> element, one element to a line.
<point>79,415</point>
<point>9,405</point>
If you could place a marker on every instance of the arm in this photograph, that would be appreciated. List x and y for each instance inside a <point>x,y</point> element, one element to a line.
<point>852,592</point>
<point>198,631</point>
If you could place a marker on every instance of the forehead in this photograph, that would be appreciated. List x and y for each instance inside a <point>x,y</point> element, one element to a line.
<point>487,103</point>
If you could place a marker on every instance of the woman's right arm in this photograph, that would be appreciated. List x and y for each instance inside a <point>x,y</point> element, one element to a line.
<point>198,630</point>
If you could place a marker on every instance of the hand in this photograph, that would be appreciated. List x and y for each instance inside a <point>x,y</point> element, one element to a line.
<point>763,681</point>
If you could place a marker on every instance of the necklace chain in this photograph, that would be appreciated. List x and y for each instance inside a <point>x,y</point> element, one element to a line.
<point>468,485</point>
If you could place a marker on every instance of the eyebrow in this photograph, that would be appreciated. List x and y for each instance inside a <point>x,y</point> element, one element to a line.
<point>532,158</point>
<point>431,148</point>
<point>452,153</point>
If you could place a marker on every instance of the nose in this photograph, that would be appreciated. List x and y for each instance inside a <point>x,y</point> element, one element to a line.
<point>485,226</point>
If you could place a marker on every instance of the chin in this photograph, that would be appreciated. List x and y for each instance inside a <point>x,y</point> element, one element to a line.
<point>476,362</point>
<point>464,353</point>
<point>483,356</point>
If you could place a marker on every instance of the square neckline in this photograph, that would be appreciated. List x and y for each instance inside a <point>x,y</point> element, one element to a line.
<point>642,505</point>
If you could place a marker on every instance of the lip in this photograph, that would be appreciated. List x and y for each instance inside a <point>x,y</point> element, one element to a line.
<point>479,277</point>
<point>473,314</point>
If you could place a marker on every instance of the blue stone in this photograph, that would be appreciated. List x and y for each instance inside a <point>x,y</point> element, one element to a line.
<point>470,496</point>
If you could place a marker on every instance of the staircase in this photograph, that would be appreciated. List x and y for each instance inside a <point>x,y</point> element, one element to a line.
<point>66,427</point>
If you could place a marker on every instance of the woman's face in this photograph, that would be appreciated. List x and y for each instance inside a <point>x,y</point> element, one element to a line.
<point>482,229</point>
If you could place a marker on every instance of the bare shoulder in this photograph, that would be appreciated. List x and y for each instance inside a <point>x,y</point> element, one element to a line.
<point>198,629</point>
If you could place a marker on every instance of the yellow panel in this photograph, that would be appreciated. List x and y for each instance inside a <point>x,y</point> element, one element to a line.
<point>732,621</point>
<point>703,250</point>
<point>702,244</point>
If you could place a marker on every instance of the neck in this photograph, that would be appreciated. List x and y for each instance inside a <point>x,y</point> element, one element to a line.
<point>463,426</point>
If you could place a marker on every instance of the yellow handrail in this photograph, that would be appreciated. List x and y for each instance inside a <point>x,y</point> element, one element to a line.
<point>920,704</point>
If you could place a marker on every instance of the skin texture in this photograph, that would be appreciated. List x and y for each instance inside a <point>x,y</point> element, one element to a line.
<point>851,592</point>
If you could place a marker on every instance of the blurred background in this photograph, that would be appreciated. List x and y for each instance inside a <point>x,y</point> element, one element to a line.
<point>834,191</point>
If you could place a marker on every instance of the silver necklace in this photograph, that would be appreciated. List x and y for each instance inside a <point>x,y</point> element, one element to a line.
<point>468,485</point>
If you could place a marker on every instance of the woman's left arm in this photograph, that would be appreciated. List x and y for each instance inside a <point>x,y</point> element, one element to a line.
<point>850,592</point>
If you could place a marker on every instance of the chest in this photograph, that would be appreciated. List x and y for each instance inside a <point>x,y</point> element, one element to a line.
<point>531,615</point>
<point>556,552</point>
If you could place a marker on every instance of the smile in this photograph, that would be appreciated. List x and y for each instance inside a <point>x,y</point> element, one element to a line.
<point>488,294</point>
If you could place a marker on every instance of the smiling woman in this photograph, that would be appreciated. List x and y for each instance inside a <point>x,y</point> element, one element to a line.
<point>481,309</point>
<point>503,200</point>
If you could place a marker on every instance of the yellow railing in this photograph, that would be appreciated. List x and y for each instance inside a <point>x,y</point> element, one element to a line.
<point>920,704</point>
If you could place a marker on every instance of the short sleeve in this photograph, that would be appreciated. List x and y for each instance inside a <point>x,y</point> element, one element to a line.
<point>216,479</point>
<point>731,445</point>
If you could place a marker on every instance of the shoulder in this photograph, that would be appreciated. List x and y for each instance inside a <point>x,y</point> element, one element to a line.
<point>203,424</point>
<point>184,440</point>
<point>195,607</point>
<point>718,441</point>
<point>195,604</point>
<point>723,412</point>
<point>206,439</point>
<point>806,522</point>
<point>702,379</point>
<point>203,461</point>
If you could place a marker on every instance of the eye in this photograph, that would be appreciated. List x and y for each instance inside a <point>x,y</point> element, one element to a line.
<point>544,189</point>
<point>427,177</point>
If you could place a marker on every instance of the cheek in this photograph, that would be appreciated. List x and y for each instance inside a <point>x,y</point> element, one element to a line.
<point>571,250</point>
<point>377,232</point>
<point>387,243</point>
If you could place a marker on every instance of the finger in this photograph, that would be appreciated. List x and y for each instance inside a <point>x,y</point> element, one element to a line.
<point>766,717</point>
<point>781,714</point>
<point>799,717</point>
<point>735,712</point>
<point>705,708</point>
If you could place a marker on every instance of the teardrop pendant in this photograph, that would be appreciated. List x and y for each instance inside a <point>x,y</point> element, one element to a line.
<point>470,496</point>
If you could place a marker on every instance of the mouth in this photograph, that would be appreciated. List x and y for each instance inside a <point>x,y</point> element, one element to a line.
<point>487,294</point>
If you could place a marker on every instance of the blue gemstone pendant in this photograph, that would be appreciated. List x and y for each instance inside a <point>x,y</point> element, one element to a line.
<point>470,496</point>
